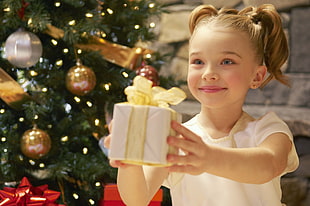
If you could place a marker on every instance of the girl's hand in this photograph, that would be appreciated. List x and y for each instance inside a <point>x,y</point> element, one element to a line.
<point>194,161</point>
<point>107,141</point>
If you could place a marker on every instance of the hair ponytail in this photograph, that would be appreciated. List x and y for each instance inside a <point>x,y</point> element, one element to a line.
<point>274,40</point>
<point>271,40</point>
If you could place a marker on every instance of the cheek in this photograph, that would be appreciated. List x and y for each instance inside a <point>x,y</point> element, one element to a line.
<point>193,78</point>
<point>237,79</point>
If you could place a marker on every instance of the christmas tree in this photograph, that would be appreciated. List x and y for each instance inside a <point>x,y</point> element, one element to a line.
<point>64,63</point>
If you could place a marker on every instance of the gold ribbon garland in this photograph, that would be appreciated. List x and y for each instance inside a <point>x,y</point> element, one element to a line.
<point>11,92</point>
<point>115,53</point>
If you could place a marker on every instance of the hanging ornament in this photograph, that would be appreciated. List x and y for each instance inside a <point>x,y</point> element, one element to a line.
<point>23,49</point>
<point>80,79</point>
<point>35,143</point>
<point>148,72</point>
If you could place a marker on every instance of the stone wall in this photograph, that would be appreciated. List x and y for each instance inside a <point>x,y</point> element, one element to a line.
<point>291,104</point>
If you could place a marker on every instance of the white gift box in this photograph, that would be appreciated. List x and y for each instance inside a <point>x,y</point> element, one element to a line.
<point>139,134</point>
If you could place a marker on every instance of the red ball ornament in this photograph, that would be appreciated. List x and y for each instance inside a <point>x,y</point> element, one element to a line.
<point>35,143</point>
<point>80,79</point>
<point>148,72</point>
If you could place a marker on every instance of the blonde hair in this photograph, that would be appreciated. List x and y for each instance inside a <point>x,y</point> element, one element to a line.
<point>262,24</point>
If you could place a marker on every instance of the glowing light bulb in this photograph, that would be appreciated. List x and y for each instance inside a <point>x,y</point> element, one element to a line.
<point>75,196</point>
<point>54,42</point>
<point>151,5</point>
<point>110,11</point>
<point>72,22</point>
<point>64,139</point>
<point>57,4</point>
<point>97,122</point>
<point>33,73</point>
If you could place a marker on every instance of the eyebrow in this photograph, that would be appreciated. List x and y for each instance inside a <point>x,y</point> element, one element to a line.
<point>224,52</point>
<point>233,53</point>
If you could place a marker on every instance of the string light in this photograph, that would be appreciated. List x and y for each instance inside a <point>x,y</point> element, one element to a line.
<point>97,122</point>
<point>44,89</point>
<point>125,74</point>
<point>2,111</point>
<point>110,11</point>
<point>79,51</point>
<point>97,184</point>
<point>75,196</point>
<point>152,24</point>
<point>5,150</point>
<point>42,165</point>
<point>92,202</point>
<point>72,22</point>
<point>57,4</point>
<point>151,5</point>
<point>33,73</point>
<point>20,157</point>
<point>29,22</point>
<point>77,99</point>
<point>106,87</point>
<point>148,56</point>
<point>89,15</point>
<point>7,9</point>
<point>32,162</point>
<point>136,8</point>
<point>65,50</point>
<point>89,104</point>
<point>64,139</point>
<point>21,119</point>
<point>137,26</point>
<point>3,139</point>
<point>54,42</point>
<point>36,117</point>
<point>85,150</point>
<point>59,62</point>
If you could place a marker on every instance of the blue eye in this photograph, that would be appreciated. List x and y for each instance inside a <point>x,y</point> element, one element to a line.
<point>227,61</point>
<point>197,61</point>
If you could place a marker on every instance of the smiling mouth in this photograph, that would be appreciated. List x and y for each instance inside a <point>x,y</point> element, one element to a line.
<point>211,89</point>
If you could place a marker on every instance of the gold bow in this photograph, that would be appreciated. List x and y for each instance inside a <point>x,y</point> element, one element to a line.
<point>142,93</point>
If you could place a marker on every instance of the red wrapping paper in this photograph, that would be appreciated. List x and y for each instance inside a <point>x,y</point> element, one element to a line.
<point>27,195</point>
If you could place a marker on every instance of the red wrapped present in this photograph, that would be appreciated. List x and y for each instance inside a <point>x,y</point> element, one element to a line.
<point>27,195</point>
<point>111,197</point>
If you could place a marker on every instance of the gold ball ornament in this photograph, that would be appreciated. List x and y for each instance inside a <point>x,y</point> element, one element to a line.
<point>80,79</point>
<point>23,49</point>
<point>35,143</point>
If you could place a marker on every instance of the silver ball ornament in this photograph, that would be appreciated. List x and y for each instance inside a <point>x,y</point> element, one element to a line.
<point>23,49</point>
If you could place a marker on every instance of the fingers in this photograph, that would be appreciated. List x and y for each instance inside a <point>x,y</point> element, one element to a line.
<point>186,133</point>
<point>107,141</point>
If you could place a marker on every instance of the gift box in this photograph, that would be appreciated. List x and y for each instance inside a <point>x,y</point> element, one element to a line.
<point>141,125</point>
<point>111,197</point>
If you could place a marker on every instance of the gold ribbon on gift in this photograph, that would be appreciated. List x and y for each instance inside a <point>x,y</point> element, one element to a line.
<point>115,53</point>
<point>11,92</point>
<point>142,93</point>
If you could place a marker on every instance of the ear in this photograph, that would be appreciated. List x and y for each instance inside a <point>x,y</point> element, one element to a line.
<point>259,76</point>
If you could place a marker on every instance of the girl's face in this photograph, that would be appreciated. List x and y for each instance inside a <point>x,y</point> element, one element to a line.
<point>222,67</point>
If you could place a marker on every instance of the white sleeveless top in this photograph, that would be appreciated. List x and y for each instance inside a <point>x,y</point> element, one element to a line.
<point>210,190</point>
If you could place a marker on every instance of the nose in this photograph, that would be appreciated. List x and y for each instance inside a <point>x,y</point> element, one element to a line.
<point>209,74</point>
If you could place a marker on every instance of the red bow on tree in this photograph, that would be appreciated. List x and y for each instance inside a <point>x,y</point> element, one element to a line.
<point>27,195</point>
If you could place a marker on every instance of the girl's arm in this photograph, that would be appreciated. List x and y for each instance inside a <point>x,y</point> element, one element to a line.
<point>138,184</point>
<point>255,165</point>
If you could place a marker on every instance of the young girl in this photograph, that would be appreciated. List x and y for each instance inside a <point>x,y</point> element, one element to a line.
<point>227,157</point>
